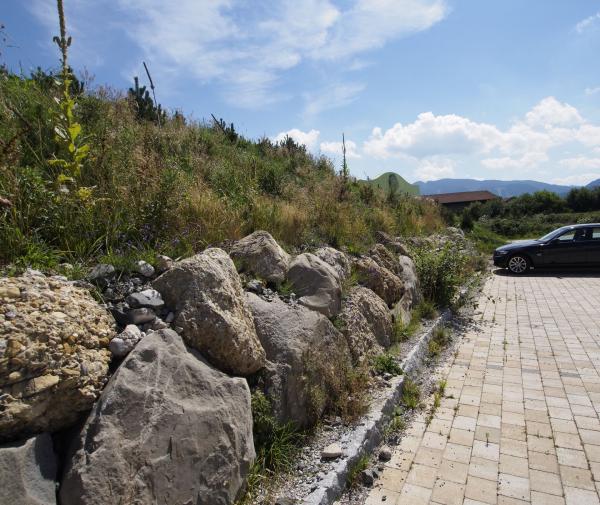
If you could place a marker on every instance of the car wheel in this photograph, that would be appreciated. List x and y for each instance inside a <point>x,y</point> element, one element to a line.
<point>518,264</point>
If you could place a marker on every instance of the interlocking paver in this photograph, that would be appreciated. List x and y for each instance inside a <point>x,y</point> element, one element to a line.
<point>520,423</point>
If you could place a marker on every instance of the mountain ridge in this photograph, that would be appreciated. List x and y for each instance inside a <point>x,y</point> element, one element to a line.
<point>498,187</point>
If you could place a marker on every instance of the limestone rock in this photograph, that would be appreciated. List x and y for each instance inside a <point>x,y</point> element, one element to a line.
<point>101,271</point>
<point>147,298</point>
<point>336,259</point>
<point>260,254</point>
<point>163,263</point>
<point>366,323</point>
<point>125,341</point>
<point>53,354</point>
<point>28,472</point>
<point>393,244</point>
<point>305,352</point>
<point>206,295</point>
<point>385,258</point>
<point>379,279</point>
<point>168,429</point>
<point>316,283</point>
<point>144,268</point>
<point>412,295</point>
<point>332,451</point>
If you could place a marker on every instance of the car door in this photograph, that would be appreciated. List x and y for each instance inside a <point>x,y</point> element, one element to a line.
<point>593,253</point>
<point>567,249</point>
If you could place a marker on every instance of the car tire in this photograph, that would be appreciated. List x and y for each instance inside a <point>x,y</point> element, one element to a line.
<point>518,264</point>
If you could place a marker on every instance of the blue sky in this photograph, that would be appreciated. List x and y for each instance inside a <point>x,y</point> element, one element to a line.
<point>500,89</point>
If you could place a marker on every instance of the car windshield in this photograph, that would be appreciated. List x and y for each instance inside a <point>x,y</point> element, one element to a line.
<point>554,234</point>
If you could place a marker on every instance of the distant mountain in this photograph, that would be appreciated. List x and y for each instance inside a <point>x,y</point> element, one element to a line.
<point>389,178</point>
<point>500,188</point>
<point>594,184</point>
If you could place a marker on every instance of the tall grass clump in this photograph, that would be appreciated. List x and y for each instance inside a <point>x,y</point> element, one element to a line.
<point>441,272</point>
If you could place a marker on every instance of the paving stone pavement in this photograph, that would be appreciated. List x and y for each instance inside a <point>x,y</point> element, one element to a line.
<point>520,419</point>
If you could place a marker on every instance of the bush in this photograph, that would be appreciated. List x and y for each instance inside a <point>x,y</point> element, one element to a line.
<point>441,272</point>
<point>386,363</point>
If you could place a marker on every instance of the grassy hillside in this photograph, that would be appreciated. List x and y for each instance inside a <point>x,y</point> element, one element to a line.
<point>162,183</point>
<point>384,181</point>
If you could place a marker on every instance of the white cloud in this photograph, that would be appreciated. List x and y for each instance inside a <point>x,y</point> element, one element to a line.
<point>332,97</point>
<point>369,24</point>
<point>527,161</point>
<point>577,180</point>
<point>433,169</point>
<point>432,135</point>
<point>526,144</point>
<point>587,22</point>
<point>248,46</point>
<point>309,139</point>
<point>335,149</point>
<point>581,162</point>
<point>550,112</point>
<point>592,91</point>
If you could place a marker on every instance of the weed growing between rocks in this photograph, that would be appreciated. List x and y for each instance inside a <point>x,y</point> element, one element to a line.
<point>440,339</point>
<point>276,446</point>
<point>361,465</point>
<point>411,394</point>
<point>386,363</point>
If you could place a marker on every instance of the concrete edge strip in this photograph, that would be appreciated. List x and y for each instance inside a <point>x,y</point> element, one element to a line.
<point>367,436</point>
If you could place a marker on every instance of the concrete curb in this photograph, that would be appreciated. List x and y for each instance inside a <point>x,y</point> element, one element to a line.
<point>367,436</point>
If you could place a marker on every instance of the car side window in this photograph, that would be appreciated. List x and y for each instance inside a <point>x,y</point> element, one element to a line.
<point>595,233</point>
<point>567,237</point>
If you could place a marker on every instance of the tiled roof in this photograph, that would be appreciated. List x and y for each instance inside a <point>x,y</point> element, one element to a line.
<point>464,196</point>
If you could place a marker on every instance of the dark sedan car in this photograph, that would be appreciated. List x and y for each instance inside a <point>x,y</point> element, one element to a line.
<point>569,246</point>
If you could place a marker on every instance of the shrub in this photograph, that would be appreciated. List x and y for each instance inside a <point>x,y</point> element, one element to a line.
<point>441,273</point>
<point>386,363</point>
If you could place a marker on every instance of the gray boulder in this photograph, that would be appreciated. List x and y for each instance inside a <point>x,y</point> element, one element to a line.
<point>336,259</point>
<point>366,323</point>
<point>307,354</point>
<point>28,472</point>
<point>260,254</point>
<point>385,258</point>
<point>168,429</point>
<point>379,279</point>
<point>206,295</point>
<point>411,295</point>
<point>316,283</point>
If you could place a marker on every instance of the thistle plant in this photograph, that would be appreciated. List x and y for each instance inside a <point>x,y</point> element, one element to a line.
<point>71,148</point>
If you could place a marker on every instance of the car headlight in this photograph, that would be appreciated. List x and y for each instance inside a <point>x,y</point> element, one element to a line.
<point>500,253</point>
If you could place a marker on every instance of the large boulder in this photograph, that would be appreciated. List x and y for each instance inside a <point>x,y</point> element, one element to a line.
<point>306,353</point>
<point>385,258</point>
<point>206,294</point>
<point>28,472</point>
<point>394,244</point>
<point>366,323</point>
<point>54,353</point>
<point>261,255</point>
<point>336,259</point>
<point>379,279</point>
<point>316,283</point>
<point>411,297</point>
<point>168,429</point>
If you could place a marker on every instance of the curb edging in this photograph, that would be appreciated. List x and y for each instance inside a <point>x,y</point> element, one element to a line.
<point>365,437</point>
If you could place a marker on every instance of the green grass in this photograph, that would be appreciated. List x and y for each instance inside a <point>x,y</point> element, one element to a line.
<point>386,363</point>
<point>174,189</point>
<point>411,394</point>
<point>355,471</point>
<point>485,239</point>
